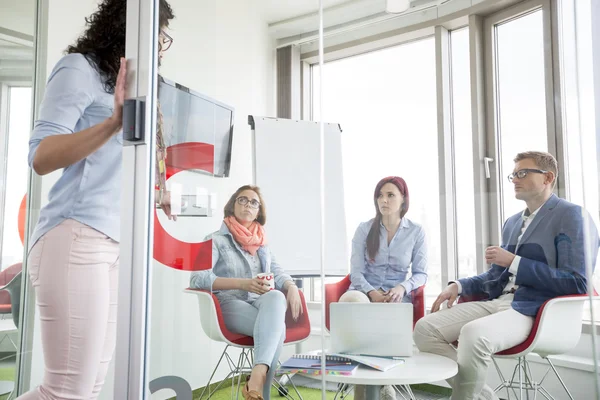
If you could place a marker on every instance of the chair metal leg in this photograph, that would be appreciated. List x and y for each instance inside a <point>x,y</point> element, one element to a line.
<point>223,354</point>
<point>520,381</point>
<point>239,374</point>
<point>409,391</point>
<point>503,381</point>
<point>398,390</point>
<point>559,378</point>
<point>527,383</point>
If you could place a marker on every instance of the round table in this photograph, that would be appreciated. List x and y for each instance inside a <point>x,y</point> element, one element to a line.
<point>420,368</point>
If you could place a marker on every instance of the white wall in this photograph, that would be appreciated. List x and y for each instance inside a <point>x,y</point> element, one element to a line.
<point>221,49</point>
<point>18,15</point>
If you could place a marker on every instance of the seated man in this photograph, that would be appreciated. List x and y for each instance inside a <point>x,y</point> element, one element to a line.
<point>543,255</point>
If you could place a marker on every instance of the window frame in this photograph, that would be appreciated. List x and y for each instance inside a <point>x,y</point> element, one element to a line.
<point>487,201</point>
<point>553,126</point>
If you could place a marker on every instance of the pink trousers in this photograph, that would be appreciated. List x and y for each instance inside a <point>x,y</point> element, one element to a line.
<point>74,270</point>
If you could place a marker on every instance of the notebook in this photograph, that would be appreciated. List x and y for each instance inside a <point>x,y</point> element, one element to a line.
<point>311,364</point>
<point>380,363</point>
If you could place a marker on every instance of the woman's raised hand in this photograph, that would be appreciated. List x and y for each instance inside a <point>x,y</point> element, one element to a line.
<point>117,116</point>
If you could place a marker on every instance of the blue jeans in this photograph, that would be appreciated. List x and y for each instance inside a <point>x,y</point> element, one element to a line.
<point>264,320</point>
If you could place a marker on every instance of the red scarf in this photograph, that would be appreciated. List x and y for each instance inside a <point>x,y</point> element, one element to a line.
<point>251,238</point>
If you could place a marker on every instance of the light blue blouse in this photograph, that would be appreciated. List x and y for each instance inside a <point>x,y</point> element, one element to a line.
<point>406,253</point>
<point>88,191</point>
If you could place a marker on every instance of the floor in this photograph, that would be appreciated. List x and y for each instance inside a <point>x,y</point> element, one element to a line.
<point>310,389</point>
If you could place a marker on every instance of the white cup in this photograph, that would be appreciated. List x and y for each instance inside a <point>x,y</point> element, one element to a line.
<point>268,279</point>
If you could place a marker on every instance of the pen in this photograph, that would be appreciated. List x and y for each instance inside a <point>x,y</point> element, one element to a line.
<point>386,357</point>
<point>331,364</point>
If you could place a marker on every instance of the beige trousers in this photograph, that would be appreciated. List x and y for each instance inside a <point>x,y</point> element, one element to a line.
<point>482,328</point>
<point>74,271</point>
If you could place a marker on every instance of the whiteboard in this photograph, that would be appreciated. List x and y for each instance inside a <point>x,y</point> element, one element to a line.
<point>287,170</point>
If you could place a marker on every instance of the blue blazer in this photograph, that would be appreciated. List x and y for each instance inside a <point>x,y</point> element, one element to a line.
<point>554,250</point>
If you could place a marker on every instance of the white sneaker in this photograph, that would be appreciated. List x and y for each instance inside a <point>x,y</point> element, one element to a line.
<point>387,393</point>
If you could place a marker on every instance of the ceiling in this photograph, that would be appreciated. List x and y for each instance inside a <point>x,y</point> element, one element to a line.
<point>278,10</point>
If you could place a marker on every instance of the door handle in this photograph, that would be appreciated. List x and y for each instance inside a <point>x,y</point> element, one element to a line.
<point>487,161</point>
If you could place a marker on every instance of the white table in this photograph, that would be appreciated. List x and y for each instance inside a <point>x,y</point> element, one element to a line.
<point>420,368</point>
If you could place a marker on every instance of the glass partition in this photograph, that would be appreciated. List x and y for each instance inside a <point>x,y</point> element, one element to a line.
<point>17,23</point>
<point>275,148</point>
<point>213,324</point>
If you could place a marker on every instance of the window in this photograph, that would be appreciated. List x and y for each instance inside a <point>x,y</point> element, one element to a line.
<point>386,104</point>
<point>520,96</point>
<point>463,153</point>
<point>579,113</point>
<point>14,180</point>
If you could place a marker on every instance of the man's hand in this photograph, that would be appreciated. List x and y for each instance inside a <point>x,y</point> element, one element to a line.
<point>450,294</point>
<point>294,302</point>
<point>395,294</point>
<point>255,285</point>
<point>499,256</point>
<point>377,297</point>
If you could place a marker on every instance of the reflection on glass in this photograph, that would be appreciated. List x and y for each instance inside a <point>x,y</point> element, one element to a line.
<point>579,111</point>
<point>388,118</point>
<point>19,104</point>
<point>13,186</point>
<point>521,96</point>
<point>463,153</point>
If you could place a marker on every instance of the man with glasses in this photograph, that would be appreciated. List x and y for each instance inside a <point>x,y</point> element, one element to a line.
<point>546,252</point>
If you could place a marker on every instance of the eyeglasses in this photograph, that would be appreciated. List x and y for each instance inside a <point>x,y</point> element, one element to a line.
<point>243,200</point>
<point>522,173</point>
<point>167,40</point>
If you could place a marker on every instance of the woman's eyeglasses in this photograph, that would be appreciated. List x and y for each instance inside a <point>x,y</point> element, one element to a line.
<point>167,40</point>
<point>522,173</point>
<point>243,200</point>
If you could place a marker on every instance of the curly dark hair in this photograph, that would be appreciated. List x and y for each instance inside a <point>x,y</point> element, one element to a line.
<point>103,42</point>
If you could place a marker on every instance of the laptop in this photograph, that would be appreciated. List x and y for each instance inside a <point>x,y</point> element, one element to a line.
<point>372,329</point>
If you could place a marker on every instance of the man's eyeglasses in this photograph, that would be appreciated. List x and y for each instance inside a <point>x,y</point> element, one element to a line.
<point>522,173</point>
<point>243,200</point>
<point>167,40</point>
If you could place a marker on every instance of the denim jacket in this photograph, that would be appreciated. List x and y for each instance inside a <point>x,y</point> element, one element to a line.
<point>228,261</point>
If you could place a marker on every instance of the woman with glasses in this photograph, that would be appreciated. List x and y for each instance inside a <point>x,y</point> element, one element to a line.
<point>386,250</point>
<point>239,254</point>
<point>73,258</point>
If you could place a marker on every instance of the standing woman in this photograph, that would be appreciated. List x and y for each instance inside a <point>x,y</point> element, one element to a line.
<point>74,258</point>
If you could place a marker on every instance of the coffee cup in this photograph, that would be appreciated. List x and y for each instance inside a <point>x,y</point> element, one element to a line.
<point>268,279</point>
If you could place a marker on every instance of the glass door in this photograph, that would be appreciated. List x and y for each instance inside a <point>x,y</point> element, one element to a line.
<point>189,312</point>
<point>17,66</point>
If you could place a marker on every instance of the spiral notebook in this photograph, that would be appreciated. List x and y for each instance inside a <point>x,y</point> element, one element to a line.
<point>311,364</point>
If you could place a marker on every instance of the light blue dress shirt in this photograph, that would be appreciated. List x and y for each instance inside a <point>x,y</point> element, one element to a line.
<point>88,191</point>
<point>406,253</point>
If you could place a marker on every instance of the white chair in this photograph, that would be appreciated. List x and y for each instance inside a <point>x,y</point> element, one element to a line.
<point>214,327</point>
<point>556,330</point>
